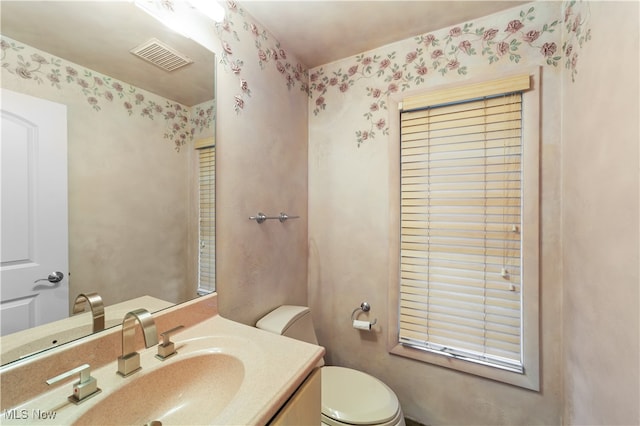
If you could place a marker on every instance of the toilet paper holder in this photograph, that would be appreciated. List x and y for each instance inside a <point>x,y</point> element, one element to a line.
<point>364,307</point>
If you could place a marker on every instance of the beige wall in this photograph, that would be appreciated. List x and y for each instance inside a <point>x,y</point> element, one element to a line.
<point>129,194</point>
<point>589,315</point>
<point>261,166</point>
<point>349,215</point>
<point>261,137</point>
<point>600,192</point>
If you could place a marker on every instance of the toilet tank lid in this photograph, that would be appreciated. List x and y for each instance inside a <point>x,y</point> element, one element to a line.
<point>280,319</point>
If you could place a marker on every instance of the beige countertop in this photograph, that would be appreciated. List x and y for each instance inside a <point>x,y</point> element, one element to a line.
<point>269,369</point>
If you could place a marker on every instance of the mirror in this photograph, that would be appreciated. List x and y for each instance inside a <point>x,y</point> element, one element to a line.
<point>131,131</point>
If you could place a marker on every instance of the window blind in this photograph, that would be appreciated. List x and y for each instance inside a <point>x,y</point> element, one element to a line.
<point>207,217</point>
<point>460,243</point>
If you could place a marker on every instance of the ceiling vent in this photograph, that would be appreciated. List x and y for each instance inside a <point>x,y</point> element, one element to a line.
<point>161,55</point>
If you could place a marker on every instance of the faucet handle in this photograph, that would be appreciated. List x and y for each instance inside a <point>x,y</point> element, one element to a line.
<point>167,347</point>
<point>83,389</point>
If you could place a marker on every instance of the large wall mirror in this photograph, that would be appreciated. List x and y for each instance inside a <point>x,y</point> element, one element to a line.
<point>132,128</point>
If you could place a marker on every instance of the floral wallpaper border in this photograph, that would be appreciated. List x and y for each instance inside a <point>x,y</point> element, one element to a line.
<point>269,52</point>
<point>445,52</point>
<point>576,33</point>
<point>181,122</point>
<point>449,52</point>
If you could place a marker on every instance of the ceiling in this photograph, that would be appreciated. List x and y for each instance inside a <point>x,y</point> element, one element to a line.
<point>99,34</point>
<point>319,32</point>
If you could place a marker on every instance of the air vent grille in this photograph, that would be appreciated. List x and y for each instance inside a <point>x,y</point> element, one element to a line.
<point>161,55</point>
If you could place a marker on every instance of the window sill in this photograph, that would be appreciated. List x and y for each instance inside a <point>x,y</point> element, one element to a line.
<point>525,380</point>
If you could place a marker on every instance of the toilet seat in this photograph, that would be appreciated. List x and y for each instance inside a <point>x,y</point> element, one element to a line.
<point>353,397</point>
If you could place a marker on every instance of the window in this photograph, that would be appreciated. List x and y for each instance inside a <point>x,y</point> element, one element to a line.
<point>207,215</point>
<point>468,230</point>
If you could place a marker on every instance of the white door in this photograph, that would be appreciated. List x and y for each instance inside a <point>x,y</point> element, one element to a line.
<point>34,230</point>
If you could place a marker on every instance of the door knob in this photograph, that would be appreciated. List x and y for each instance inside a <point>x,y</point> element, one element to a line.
<point>54,277</point>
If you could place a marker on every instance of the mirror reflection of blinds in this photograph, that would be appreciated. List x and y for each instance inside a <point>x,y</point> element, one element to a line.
<point>207,220</point>
<point>461,204</point>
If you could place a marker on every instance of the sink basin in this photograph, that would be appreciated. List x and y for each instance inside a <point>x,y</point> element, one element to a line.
<point>189,391</point>
<point>224,373</point>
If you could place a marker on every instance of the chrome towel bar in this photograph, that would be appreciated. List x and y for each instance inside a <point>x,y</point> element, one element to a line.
<point>261,217</point>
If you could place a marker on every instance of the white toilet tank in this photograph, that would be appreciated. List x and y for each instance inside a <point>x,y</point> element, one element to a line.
<point>349,397</point>
<point>290,321</point>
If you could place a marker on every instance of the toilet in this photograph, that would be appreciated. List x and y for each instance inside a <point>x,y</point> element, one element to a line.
<point>349,397</point>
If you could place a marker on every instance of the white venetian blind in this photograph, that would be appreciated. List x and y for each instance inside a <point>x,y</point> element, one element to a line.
<point>207,214</point>
<point>461,204</point>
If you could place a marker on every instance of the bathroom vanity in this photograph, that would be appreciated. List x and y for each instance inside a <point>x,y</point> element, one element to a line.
<point>223,372</point>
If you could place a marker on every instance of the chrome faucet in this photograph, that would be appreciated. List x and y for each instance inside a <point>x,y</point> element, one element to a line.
<point>97,308</point>
<point>129,362</point>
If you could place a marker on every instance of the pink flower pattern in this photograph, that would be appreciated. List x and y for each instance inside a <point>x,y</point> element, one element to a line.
<point>268,52</point>
<point>432,54</point>
<point>449,54</point>
<point>576,34</point>
<point>99,89</point>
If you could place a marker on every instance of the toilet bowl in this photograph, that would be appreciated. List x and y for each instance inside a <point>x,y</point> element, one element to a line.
<point>349,397</point>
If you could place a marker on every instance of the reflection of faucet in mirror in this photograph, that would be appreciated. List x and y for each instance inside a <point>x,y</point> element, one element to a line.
<point>97,308</point>
<point>129,362</point>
